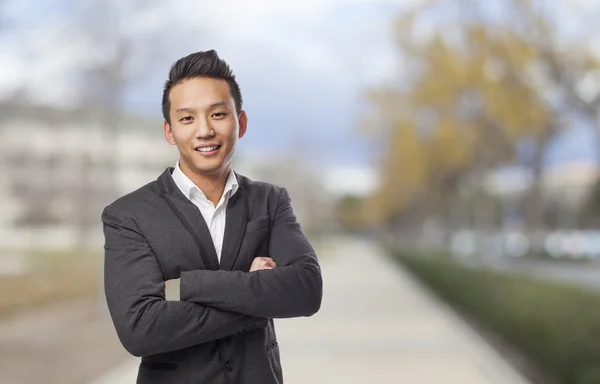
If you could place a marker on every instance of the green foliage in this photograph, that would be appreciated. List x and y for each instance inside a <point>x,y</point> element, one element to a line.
<point>349,212</point>
<point>592,212</point>
<point>558,326</point>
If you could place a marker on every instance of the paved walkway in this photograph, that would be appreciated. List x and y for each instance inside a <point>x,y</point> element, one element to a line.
<point>376,325</point>
<point>64,342</point>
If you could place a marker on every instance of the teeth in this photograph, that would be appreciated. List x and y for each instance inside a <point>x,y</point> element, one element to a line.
<point>207,149</point>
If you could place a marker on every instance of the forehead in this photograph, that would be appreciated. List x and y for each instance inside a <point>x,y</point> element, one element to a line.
<point>200,92</point>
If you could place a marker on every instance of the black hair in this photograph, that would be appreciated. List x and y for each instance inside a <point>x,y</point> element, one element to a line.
<point>200,64</point>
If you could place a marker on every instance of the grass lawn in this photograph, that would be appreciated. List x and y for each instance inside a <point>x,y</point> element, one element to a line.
<point>51,276</point>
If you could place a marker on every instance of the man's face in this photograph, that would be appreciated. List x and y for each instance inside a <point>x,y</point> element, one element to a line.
<point>204,125</point>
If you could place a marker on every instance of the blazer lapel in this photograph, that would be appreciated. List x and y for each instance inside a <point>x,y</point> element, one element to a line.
<point>191,218</point>
<point>235,227</point>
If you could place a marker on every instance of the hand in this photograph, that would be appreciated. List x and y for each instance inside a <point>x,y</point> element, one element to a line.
<point>260,263</point>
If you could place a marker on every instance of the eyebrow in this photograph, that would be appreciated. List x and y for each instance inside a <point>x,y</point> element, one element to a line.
<point>188,110</point>
<point>218,104</point>
<point>213,105</point>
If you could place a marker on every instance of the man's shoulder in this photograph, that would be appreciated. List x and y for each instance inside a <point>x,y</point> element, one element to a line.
<point>135,200</point>
<point>259,187</point>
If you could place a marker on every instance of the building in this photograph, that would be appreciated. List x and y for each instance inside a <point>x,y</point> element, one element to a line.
<point>60,168</point>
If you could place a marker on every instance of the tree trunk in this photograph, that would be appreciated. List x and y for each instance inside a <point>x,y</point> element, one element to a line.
<point>534,204</point>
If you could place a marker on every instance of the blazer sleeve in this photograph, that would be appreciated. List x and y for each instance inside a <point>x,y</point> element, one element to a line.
<point>293,289</point>
<point>145,322</point>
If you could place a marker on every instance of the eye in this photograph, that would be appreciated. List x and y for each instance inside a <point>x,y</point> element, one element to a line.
<point>219,115</point>
<point>186,119</point>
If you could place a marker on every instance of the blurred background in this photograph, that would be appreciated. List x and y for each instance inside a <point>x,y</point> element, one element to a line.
<point>463,127</point>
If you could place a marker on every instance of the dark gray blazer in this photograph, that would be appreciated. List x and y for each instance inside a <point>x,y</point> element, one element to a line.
<point>221,330</point>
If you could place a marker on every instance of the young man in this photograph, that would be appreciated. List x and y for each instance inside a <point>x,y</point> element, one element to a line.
<point>234,243</point>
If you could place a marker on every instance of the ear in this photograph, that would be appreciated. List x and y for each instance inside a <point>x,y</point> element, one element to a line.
<point>168,133</point>
<point>243,121</point>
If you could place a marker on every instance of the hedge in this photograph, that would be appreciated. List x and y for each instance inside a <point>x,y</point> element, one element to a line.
<point>556,325</point>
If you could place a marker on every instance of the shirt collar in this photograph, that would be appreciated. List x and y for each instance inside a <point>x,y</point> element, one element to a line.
<point>186,185</point>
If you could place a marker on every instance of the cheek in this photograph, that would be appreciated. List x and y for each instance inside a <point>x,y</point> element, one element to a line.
<point>228,130</point>
<point>232,134</point>
<point>182,135</point>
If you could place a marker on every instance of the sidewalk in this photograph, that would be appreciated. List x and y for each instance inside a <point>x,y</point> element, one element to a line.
<point>376,325</point>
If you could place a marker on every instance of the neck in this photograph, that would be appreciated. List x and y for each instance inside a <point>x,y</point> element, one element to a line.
<point>212,185</point>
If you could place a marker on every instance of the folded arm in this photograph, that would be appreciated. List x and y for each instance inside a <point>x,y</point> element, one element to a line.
<point>145,322</point>
<point>294,288</point>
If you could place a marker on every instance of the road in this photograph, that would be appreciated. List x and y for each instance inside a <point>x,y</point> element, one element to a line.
<point>376,324</point>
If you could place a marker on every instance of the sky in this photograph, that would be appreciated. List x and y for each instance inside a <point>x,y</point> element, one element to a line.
<point>303,65</point>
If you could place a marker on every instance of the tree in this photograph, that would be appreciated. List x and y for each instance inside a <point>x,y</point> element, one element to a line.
<point>475,87</point>
<point>349,213</point>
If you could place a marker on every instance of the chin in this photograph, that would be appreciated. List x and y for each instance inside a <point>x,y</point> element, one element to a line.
<point>205,166</point>
<point>208,169</point>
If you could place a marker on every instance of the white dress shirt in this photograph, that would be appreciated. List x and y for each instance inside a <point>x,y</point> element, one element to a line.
<point>214,216</point>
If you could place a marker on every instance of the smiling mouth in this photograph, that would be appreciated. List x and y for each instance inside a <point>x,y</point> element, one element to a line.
<point>207,149</point>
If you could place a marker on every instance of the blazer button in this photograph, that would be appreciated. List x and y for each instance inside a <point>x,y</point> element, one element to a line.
<point>228,366</point>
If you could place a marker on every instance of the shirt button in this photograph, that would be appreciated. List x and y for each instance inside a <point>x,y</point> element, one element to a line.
<point>228,366</point>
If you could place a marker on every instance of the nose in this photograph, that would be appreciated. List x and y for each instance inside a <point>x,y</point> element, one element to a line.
<point>204,130</point>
